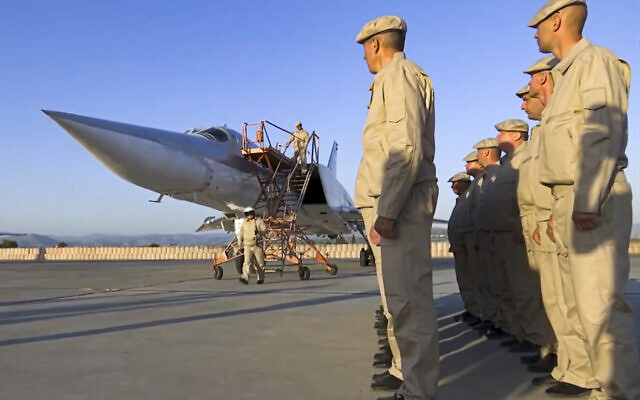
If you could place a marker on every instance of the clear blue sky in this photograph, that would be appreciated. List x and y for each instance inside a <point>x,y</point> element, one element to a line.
<point>175,65</point>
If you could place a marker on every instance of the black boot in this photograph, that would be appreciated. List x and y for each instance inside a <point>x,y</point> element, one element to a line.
<point>546,380</point>
<point>494,333</point>
<point>546,364</point>
<point>526,360</point>
<point>395,396</point>
<point>385,381</point>
<point>564,389</point>
<point>525,347</point>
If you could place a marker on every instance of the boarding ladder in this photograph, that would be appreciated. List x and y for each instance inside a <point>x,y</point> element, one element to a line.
<point>283,184</point>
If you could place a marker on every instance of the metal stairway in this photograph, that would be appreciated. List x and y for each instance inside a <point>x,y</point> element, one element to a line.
<point>283,185</point>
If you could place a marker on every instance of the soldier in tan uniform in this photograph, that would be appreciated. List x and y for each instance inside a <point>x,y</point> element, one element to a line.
<point>583,158</point>
<point>529,320</point>
<point>480,306</point>
<point>460,222</point>
<point>397,192</point>
<point>500,304</point>
<point>300,140</point>
<point>573,364</point>
<point>250,237</point>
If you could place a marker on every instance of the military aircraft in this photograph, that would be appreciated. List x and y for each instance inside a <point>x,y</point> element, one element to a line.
<point>206,166</point>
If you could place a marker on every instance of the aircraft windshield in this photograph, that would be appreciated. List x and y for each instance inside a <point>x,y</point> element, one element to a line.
<point>213,134</point>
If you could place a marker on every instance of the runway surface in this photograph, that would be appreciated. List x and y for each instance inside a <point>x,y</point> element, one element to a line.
<point>167,330</point>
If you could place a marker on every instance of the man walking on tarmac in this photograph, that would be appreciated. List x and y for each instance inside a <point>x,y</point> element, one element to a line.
<point>396,191</point>
<point>250,236</point>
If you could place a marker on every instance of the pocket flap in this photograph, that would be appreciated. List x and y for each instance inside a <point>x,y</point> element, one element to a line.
<point>595,98</point>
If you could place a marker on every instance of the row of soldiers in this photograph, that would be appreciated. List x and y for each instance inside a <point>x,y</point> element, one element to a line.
<point>540,235</point>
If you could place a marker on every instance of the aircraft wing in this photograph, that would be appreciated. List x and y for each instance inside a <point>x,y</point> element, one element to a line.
<point>213,223</point>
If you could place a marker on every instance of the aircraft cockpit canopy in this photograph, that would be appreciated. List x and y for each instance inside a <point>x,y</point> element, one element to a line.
<point>213,134</point>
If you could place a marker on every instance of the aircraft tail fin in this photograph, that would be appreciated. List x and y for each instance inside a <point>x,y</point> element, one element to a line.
<point>333,158</point>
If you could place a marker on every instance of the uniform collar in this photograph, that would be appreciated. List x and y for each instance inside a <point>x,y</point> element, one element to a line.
<point>383,71</point>
<point>567,61</point>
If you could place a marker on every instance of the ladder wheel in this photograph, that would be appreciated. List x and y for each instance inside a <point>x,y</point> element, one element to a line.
<point>333,269</point>
<point>364,258</point>
<point>304,273</point>
<point>218,272</point>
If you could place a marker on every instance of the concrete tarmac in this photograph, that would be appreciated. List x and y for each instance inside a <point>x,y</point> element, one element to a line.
<point>167,330</point>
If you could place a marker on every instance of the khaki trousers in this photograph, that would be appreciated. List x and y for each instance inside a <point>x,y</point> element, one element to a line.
<point>408,281</point>
<point>499,294</point>
<point>368,214</point>
<point>478,276</point>
<point>464,276</point>
<point>570,350</point>
<point>525,312</point>
<point>300,152</point>
<point>547,282</point>
<point>598,270</point>
<point>251,252</point>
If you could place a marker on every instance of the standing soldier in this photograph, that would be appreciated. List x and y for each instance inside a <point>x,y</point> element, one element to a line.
<point>573,364</point>
<point>498,293</point>
<point>528,182</point>
<point>250,237</point>
<point>300,139</point>
<point>529,319</point>
<point>396,190</point>
<point>480,307</point>
<point>583,158</point>
<point>460,222</point>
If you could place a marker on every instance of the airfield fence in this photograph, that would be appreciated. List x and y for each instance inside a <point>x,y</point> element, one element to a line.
<point>335,251</point>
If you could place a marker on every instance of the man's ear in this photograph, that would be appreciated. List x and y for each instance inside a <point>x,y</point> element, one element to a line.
<point>557,21</point>
<point>375,42</point>
<point>542,78</point>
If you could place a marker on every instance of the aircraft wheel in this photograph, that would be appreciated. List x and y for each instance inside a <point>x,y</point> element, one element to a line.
<point>333,269</point>
<point>304,273</point>
<point>218,272</point>
<point>364,258</point>
<point>239,263</point>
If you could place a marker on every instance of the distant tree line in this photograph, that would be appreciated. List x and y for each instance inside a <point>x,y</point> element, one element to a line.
<point>8,244</point>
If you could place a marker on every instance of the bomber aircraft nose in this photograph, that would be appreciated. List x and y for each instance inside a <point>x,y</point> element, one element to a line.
<point>159,160</point>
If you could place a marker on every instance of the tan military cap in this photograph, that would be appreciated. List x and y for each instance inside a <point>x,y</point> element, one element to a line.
<point>520,93</point>
<point>513,125</point>
<point>460,177</point>
<point>486,143</point>
<point>298,123</point>
<point>544,64</point>
<point>473,156</point>
<point>379,25</point>
<point>552,6</point>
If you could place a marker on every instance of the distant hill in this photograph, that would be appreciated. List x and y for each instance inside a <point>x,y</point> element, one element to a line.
<point>29,240</point>
<point>186,239</point>
<point>182,239</point>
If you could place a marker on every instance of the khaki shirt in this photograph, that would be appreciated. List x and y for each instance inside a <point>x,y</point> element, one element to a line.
<point>300,139</point>
<point>250,231</point>
<point>474,195</point>
<point>459,221</point>
<point>499,201</point>
<point>463,218</point>
<point>533,196</point>
<point>585,124</point>
<point>398,137</point>
<point>481,206</point>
